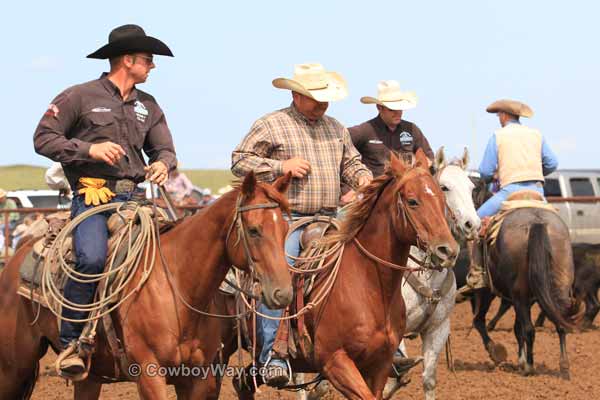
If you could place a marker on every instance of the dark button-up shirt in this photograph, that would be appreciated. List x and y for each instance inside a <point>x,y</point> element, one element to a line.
<point>95,112</point>
<point>374,141</point>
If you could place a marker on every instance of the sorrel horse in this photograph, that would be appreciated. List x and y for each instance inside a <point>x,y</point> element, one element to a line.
<point>531,261</point>
<point>427,315</point>
<point>357,328</point>
<point>245,228</point>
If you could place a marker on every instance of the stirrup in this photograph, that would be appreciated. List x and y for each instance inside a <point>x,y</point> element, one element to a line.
<point>81,368</point>
<point>275,382</point>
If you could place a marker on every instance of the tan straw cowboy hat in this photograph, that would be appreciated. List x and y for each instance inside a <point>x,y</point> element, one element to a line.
<point>313,81</point>
<point>390,96</point>
<point>510,106</point>
<point>2,193</point>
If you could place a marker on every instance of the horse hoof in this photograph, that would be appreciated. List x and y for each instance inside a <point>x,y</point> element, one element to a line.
<point>319,391</point>
<point>497,352</point>
<point>392,386</point>
<point>528,370</point>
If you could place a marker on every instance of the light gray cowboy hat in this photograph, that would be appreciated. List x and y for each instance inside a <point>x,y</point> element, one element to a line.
<point>390,96</point>
<point>313,81</point>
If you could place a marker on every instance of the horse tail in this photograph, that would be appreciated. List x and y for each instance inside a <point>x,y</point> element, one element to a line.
<point>555,297</point>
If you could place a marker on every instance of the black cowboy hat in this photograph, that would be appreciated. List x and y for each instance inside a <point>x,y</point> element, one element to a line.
<point>129,39</point>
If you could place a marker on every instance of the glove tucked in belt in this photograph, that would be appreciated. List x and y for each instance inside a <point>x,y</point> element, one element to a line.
<point>95,191</point>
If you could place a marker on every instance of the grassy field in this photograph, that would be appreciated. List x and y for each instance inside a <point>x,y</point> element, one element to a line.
<point>14,177</point>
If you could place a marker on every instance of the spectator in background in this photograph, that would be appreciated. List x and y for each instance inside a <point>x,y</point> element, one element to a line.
<point>207,197</point>
<point>179,186</point>
<point>56,180</point>
<point>13,217</point>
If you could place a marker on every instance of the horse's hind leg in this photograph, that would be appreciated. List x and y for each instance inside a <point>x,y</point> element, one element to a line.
<point>14,387</point>
<point>497,352</point>
<point>345,377</point>
<point>87,390</point>
<point>433,344</point>
<point>564,358</point>
<point>591,310</point>
<point>523,311</point>
<point>504,307</point>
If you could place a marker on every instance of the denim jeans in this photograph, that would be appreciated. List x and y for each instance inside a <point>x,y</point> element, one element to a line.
<point>493,204</point>
<point>90,241</point>
<point>267,328</point>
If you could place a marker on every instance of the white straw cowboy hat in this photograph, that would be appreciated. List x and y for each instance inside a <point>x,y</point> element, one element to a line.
<point>313,81</point>
<point>390,96</point>
<point>510,106</point>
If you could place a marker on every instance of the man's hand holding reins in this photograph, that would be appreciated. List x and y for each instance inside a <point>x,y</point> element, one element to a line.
<point>108,152</point>
<point>157,173</point>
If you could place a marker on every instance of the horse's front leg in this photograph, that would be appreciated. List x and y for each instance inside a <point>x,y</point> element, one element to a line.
<point>87,390</point>
<point>345,377</point>
<point>151,383</point>
<point>433,343</point>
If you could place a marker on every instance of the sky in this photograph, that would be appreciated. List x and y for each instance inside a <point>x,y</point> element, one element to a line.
<point>458,56</point>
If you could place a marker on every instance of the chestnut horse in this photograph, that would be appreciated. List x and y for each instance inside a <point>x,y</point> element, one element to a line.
<point>156,326</point>
<point>357,328</point>
<point>531,261</point>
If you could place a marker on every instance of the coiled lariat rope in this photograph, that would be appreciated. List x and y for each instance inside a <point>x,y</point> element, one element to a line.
<point>114,282</point>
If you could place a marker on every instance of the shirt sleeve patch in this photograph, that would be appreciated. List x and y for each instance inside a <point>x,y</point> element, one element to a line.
<point>52,111</point>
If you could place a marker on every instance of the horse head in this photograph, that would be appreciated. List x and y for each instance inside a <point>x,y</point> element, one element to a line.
<point>257,247</point>
<point>418,212</point>
<point>458,190</point>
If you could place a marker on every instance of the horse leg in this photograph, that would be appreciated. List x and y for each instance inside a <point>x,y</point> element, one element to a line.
<point>518,329</point>
<point>591,310</point>
<point>433,344</point>
<point>497,352</point>
<point>504,307</point>
<point>87,390</point>
<point>539,322</point>
<point>564,358</point>
<point>345,377</point>
<point>523,311</point>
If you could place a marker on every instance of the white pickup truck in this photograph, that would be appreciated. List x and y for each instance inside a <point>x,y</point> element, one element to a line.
<point>576,195</point>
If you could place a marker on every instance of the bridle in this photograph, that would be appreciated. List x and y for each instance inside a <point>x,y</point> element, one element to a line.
<point>238,222</point>
<point>448,213</point>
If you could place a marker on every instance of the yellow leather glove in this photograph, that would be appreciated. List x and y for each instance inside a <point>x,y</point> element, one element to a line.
<point>95,192</point>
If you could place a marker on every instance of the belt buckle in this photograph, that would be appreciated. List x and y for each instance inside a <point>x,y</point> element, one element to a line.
<point>124,186</point>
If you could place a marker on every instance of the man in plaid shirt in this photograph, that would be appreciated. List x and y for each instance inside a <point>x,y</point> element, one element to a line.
<point>319,153</point>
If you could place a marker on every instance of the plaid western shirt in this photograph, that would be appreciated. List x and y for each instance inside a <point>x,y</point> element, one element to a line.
<point>287,134</point>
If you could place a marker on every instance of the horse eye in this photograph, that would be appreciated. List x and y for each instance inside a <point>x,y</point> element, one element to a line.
<point>254,232</point>
<point>412,203</point>
<point>444,188</point>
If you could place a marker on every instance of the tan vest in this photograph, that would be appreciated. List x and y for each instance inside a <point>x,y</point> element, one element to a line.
<point>519,154</point>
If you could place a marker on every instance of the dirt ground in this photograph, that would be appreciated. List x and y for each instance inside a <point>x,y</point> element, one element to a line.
<point>475,376</point>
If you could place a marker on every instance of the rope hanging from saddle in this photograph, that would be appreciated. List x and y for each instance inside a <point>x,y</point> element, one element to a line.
<point>114,283</point>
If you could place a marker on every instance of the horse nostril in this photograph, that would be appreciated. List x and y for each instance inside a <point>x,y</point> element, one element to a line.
<point>282,297</point>
<point>468,225</point>
<point>443,252</point>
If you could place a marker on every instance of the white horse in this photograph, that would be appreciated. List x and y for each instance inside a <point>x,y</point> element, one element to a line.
<point>427,318</point>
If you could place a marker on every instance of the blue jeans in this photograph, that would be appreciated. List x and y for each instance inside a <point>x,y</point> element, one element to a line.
<point>493,204</point>
<point>267,328</point>
<point>90,241</point>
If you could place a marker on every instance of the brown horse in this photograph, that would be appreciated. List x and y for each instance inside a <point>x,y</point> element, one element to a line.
<point>530,261</point>
<point>155,327</point>
<point>357,328</point>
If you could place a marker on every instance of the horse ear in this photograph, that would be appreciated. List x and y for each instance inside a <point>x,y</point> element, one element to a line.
<point>465,159</point>
<point>249,184</point>
<point>440,159</point>
<point>422,160</point>
<point>283,183</point>
<point>397,164</point>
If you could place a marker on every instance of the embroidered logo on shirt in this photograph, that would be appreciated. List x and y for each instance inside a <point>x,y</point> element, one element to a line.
<point>101,109</point>
<point>52,111</point>
<point>406,139</point>
<point>375,141</point>
<point>140,111</point>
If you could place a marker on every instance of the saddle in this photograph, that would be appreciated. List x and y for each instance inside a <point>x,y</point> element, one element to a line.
<point>515,201</point>
<point>292,336</point>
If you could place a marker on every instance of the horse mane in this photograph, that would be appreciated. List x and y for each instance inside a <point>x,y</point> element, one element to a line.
<point>357,212</point>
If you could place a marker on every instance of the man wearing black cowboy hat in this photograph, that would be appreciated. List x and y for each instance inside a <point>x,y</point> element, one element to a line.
<point>97,131</point>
